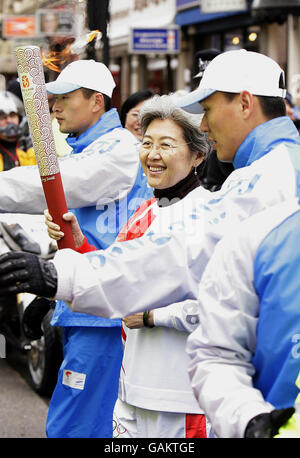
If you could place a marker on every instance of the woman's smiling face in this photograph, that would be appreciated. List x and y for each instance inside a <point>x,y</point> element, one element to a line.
<point>165,155</point>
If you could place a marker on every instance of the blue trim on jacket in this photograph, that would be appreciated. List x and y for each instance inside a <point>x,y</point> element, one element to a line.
<point>109,120</point>
<point>264,138</point>
<point>276,276</point>
<point>276,280</point>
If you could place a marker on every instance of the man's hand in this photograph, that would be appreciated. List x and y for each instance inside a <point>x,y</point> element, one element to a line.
<point>25,272</point>
<point>266,425</point>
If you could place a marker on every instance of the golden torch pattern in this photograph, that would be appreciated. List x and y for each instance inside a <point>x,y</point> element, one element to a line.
<point>32,82</point>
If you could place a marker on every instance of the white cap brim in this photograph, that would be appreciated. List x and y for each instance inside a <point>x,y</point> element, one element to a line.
<point>61,87</point>
<point>191,101</point>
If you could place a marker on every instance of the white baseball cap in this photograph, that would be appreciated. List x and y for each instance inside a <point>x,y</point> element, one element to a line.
<point>236,71</point>
<point>83,73</point>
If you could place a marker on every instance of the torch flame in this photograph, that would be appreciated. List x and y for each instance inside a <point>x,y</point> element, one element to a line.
<point>51,61</point>
<point>55,60</point>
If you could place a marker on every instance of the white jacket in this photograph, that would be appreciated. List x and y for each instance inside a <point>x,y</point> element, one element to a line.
<point>154,372</point>
<point>154,368</point>
<point>158,270</point>
<point>231,385</point>
<point>89,178</point>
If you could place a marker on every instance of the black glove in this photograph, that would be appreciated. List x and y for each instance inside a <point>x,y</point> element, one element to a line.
<point>25,272</point>
<point>266,425</point>
<point>33,317</point>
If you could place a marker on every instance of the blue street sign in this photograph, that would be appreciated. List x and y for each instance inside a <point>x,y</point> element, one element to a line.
<point>159,41</point>
<point>180,4</point>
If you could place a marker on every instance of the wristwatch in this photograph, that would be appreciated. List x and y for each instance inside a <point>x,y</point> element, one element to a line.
<point>146,320</point>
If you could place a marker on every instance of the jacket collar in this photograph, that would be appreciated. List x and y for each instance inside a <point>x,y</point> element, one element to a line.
<point>108,121</point>
<point>264,138</point>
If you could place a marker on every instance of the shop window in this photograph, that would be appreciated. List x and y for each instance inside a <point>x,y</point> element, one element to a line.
<point>233,40</point>
<point>242,38</point>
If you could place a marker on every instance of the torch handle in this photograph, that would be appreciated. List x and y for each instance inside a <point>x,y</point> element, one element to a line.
<point>52,186</point>
<point>32,82</point>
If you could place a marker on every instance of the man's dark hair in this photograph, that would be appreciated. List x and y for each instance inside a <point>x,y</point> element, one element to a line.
<point>87,93</point>
<point>272,107</point>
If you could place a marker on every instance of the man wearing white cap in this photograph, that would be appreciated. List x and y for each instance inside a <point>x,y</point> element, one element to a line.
<point>244,361</point>
<point>15,146</point>
<point>104,184</point>
<point>244,114</point>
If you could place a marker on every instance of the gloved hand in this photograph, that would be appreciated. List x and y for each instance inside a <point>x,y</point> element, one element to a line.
<point>25,272</point>
<point>266,425</point>
<point>33,317</point>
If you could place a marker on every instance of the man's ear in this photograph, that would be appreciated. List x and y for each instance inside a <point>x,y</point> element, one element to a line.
<point>99,102</point>
<point>246,100</point>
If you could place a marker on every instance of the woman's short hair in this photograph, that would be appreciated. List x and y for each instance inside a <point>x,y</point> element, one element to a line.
<point>132,101</point>
<point>163,107</point>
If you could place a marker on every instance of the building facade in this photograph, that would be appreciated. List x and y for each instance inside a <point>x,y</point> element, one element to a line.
<point>134,26</point>
<point>153,43</point>
<point>268,26</point>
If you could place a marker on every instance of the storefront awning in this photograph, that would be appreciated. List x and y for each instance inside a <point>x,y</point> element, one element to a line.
<point>194,15</point>
<point>209,22</point>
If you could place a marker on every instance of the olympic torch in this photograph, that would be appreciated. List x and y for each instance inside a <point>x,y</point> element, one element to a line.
<point>32,82</point>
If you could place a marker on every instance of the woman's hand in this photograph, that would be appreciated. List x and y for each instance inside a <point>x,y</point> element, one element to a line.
<point>136,321</point>
<point>55,232</point>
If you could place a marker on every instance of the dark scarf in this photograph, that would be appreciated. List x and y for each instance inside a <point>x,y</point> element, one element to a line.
<point>178,191</point>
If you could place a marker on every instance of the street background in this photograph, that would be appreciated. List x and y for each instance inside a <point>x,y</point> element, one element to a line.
<point>22,412</point>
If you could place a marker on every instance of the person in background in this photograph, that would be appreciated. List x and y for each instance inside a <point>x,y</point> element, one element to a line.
<point>290,107</point>
<point>213,172</point>
<point>14,88</point>
<point>202,59</point>
<point>15,147</point>
<point>49,22</point>
<point>296,101</point>
<point>130,110</point>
